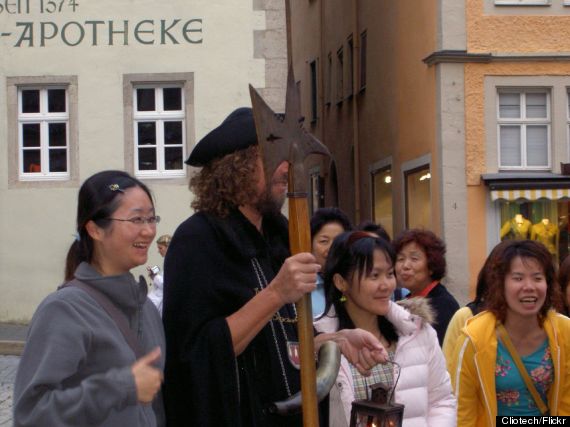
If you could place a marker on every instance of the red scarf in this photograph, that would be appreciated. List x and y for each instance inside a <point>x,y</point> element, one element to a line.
<point>425,291</point>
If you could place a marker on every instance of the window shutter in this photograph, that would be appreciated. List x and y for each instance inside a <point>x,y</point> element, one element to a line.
<point>536,105</point>
<point>537,145</point>
<point>509,106</point>
<point>510,145</point>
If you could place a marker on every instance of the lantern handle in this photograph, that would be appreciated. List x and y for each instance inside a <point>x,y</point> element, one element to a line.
<point>397,379</point>
<point>393,389</point>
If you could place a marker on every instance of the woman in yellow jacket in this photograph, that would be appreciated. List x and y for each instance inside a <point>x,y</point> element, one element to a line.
<point>522,292</point>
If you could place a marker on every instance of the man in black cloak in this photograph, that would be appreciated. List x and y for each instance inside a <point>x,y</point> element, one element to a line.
<point>230,285</point>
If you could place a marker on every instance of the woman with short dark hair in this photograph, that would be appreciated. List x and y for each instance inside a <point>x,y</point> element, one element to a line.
<point>420,266</point>
<point>326,224</point>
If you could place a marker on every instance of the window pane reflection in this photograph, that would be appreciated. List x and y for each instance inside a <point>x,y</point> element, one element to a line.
<point>172,99</point>
<point>57,135</point>
<point>30,101</point>
<point>382,204</point>
<point>173,133</point>
<point>32,161</point>
<point>145,100</point>
<point>173,158</point>
<point>31,135</point>
<point>147,159</point>
<point>56,100</point>
<point>418,198</point>
<point>147,133</point>
<point>58,160</point>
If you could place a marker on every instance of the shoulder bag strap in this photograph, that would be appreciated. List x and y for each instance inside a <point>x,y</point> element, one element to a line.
<point>114,313</point>
<point>506,340</point>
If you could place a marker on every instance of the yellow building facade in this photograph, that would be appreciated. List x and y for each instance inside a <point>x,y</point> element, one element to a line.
<point>443,114</point>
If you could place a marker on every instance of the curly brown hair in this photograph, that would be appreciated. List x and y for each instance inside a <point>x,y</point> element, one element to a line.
<point>226,183</point>
<point>433,247</point>
<point>494,297</point>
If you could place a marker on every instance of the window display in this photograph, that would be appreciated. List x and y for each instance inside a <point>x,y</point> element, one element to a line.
<point>418,198</point>
<point>543,220</point>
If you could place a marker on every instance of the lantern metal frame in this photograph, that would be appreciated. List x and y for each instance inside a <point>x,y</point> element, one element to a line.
<point>378,410</point>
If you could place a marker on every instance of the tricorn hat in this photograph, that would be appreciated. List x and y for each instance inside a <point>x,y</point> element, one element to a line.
<point>235,133</point>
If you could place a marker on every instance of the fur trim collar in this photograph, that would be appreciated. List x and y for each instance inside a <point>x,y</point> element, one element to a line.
<point>420,307</point>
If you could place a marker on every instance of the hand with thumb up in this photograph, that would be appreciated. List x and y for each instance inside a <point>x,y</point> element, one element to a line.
<point>147,377</point>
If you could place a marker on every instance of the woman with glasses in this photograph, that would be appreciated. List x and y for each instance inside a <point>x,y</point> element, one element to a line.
<point>94,351</point>
<point>359,280</point>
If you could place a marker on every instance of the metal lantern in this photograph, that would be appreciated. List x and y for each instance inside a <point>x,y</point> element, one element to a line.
<point>378,411</point>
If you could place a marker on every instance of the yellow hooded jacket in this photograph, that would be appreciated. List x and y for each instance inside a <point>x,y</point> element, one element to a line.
<point>472,369</point>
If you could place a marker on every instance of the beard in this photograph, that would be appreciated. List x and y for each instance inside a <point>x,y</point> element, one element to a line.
<point>269,204</point>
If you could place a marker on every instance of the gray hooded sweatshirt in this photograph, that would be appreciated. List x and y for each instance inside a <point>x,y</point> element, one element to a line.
<point>76,366</point>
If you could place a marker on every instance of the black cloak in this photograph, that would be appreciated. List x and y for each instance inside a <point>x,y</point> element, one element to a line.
<point>208,276</point>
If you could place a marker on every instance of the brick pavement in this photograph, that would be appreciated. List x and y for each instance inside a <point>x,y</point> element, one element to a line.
<point>8,367</point>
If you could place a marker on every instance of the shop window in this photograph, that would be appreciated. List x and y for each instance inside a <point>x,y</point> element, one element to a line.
<point>158,123</point>
<point>524,129</point>
<point>43,133</point>
<point>350,66</point>
<point>543,220</point>
<point>328,88</point>
<point>382,198</point>
<point>568,115</point>
<point>363,47</point>
<point>313,70</point>
<point>339,75</point>
<point>418,197</point>
<point>317,191</point>
<point>522,2</point>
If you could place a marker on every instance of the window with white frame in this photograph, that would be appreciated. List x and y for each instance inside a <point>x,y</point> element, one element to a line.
<point>43,133</point>
<point>522,2</point>
<point>523,132</point>
<point>159,130</point>
<point>568,115</point>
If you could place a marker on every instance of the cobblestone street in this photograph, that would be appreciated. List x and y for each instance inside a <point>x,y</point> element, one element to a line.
<point>8,366</point>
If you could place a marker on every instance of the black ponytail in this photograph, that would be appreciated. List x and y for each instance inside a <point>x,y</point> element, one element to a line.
<point>99,197</point>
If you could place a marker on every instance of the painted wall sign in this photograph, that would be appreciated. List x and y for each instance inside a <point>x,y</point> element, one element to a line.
<point>72,33</point>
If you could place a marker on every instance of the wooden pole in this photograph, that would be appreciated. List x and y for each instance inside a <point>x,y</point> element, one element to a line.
<point>300,241</point>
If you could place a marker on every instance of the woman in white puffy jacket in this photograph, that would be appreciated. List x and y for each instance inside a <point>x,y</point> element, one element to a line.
<point>359,279</point>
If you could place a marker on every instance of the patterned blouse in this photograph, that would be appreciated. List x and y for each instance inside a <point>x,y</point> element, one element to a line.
<point>513,397</point>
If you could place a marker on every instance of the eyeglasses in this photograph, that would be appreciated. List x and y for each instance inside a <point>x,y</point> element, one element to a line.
<point>140,220</point>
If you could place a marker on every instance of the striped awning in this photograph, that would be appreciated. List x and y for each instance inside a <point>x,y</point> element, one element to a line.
<point>530,195</point>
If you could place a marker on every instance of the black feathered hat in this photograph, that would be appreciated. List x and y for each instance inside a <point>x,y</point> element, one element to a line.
<point>235,133</point>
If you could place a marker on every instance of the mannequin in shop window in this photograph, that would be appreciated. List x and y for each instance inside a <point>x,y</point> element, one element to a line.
<point>547,233</point>
<point>517,228</point>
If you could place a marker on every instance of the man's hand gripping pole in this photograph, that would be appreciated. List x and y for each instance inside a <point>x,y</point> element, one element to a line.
<point>282,138</point>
